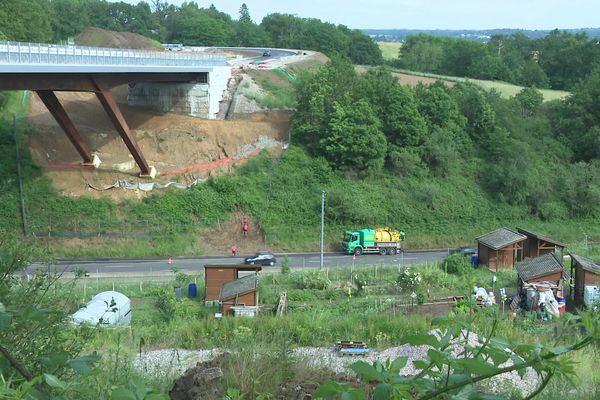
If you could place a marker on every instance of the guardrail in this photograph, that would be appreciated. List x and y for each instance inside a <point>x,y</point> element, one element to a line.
<point>44,54</point>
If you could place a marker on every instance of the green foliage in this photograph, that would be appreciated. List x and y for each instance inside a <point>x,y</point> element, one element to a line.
<point>457,264</point>
<point>464,373</point>
<point>559,60</point>
<point>313,280</point>
<point>408,280</point>
<point>285,265</point>
<point>167,304</point>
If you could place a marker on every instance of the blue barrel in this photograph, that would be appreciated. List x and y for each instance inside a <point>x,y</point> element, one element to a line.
<point>474,260</point>
<point>192,290</point>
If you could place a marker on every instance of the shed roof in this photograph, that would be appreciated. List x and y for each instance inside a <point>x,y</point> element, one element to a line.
<point>540,237</point>
<point>500,238</point>
<point>586,263</point>
<point>238,287</point>
<point>532,268</point>
<point>239,267</point>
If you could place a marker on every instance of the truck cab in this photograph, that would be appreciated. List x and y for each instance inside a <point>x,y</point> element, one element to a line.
<point>350,242</point>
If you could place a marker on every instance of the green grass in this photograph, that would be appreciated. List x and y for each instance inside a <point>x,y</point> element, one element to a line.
<point>506,90</point>
<point>277,85</point>
<point>389,50</point>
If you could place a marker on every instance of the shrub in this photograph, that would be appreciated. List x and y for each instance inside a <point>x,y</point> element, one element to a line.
<point>408,280</point>
<point>313,280</point>
<point>285,265</point>
<point>457,264</point>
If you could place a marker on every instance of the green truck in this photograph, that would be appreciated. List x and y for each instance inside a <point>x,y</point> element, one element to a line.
<point>373,241</point>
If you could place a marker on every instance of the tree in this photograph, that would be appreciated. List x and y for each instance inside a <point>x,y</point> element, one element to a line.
<point>530,100</point>
<point>244,14</point>
<point>396,107</point>
<point>422,53</point>
<point>481,118</point>
<point>316,95</point>
<point>26,20</point>
<point>354,139</point>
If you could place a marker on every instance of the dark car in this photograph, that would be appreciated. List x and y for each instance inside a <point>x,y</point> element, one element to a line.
<point>464,251</point>
<point>267,53</point>
<point>261,258</point>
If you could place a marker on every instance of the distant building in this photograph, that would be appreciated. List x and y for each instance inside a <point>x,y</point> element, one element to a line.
<point>586,280</point>
<point>546,268</point>
<point>537,244</point>
<point>500,248</point>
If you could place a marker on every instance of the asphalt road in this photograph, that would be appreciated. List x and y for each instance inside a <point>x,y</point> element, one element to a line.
<point>196,264</point>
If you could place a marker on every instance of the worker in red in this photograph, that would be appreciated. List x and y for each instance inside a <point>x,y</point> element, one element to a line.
<point>234,249</point>
<point>245,229</point>
<point>244,219</point>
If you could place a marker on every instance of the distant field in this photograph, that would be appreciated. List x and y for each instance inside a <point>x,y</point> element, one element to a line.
<point>389,49</point>
<point>506,90</point>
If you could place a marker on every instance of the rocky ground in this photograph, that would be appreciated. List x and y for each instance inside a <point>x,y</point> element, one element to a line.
<point>198,373</point>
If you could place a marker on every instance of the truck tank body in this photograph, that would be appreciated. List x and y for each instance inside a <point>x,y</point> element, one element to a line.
<point>386,234</point>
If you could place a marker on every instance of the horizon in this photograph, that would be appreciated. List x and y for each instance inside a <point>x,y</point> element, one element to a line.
<point>425,14</point>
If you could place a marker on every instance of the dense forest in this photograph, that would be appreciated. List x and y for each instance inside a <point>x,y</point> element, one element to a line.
<point>558,61</point>
<point>544,156</point>
<point>57,20</point>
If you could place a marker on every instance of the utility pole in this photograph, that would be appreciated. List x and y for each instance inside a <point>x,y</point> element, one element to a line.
<point>322,225</point>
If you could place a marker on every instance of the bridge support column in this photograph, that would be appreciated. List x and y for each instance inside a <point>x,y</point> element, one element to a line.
<point>114,113</point>
<point>60,115</point>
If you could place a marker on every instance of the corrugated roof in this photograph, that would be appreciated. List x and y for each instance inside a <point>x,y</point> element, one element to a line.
<point>540,237</point>
<point>240,286</point>
<point>586,263</point>
<point>537,267</point>
<point>500,238</point>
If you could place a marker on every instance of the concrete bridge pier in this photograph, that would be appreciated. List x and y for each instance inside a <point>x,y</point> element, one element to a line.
<point>199,98</point>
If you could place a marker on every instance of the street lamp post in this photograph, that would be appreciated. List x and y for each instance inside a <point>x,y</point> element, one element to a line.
<point>322,226</point>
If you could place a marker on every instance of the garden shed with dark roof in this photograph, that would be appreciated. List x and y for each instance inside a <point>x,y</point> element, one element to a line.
<point>537,244</point>
<point>586,274</point>
<point>500,248</point>
<point>546,268</point>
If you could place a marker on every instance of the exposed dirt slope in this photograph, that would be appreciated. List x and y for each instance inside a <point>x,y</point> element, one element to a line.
<point>121,40</point>
<point>168,141</point>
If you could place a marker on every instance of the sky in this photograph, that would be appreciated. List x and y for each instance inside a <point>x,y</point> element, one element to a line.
<point>424,14</point>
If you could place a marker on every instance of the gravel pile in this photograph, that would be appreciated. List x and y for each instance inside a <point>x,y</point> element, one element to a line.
<point>173,363</point>
<point>170,362</point>
<point>331,359</point>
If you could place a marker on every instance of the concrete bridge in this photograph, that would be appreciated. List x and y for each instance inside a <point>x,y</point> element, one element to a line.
<point>186,82</point>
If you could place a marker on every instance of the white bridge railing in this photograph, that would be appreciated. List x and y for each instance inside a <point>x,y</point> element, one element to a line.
<point>42,53</point>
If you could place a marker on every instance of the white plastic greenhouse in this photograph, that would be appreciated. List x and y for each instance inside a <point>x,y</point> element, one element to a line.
<point>105,309</point>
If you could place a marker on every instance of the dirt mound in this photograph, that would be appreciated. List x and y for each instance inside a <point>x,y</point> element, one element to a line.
<point>120,40</point>
<point>206,381</point>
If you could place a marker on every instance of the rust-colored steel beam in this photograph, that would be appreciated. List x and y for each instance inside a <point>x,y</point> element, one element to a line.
<point>114,113</point>
<point>81,82</point>
<point>60,115</point>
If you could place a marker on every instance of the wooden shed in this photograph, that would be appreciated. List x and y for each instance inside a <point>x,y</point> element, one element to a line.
<point>500,248</point>
<point>241,292</point>
<point>545,268</point>
<point>585,272</point>
<point>216,275</point>
<point>537,244</point>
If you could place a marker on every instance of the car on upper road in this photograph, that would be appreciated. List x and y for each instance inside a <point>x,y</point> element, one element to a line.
<point>464,251</point>
<point>267,53</point>
<point>262,258</point>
